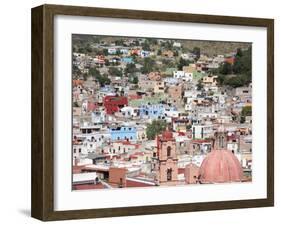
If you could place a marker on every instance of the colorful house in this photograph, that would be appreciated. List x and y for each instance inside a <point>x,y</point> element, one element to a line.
<point>113,104</point>
<point>123,133</point>
<point>127,60</point>
<point>152,111</point>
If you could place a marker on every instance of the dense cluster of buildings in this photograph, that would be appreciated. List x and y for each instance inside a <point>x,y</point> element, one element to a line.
<point>203,139</point>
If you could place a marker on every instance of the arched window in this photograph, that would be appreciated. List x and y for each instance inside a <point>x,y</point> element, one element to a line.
<point>169,174</point>
<point>169,151</point>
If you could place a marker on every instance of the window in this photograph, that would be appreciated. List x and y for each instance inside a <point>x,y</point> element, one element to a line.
<point>169,174</point>
<point>169,151</point>
<point>74,150</point>
<point>80,150</point>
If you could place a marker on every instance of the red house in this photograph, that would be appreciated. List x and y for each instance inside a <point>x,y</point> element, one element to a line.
<point>113,104</point>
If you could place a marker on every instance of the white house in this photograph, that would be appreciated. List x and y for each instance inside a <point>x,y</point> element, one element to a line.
<point>129,112</point>
<point>177,44</point>
<point>202,131</point>
<point>185,76</point>
<point>171,113</point>
<point>112,50</point>
<point>98,116</point>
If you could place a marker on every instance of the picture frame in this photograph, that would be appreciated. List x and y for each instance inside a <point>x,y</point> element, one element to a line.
<point>43,107</point>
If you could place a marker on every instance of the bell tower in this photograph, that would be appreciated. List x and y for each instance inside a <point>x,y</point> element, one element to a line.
<point>167,172</point>
<point>220,142</point>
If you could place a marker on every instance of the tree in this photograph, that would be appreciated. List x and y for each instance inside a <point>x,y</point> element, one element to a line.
<point>237,66</point>
<point>246,111</point>
<point>102,79</point>
<point>113,71</point>
<point>148,65</point>
<point>159,52</point>
<point>146,46</point>
<point>134,80</point>
<point>225,68</point>
<point>197,52</point>
<point>106,62</point>
<point>88,48</point>
<point>242,68</point>
<point>105,52</point>
<point>199,85</point>
<point>221,79</point>
<point>81,50</point>
<point>234,81</point>
<point>239,53</point>
<point>94,72</point>
<point>119,42</point>
<point>168,45</point>
<point>243,63</point>
<point>155,128</point>
<point>130,68</point>
<point>183,63</point>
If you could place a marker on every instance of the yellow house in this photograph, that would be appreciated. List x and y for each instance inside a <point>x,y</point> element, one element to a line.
<point>210,80</point>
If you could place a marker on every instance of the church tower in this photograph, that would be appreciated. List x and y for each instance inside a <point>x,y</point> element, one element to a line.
<point>167,172</point>
<point>220,142</point>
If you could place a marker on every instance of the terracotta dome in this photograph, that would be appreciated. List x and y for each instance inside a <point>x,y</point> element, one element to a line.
<point>220,166</point>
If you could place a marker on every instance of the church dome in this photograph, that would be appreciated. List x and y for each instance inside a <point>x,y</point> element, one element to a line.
<point>220,166</point>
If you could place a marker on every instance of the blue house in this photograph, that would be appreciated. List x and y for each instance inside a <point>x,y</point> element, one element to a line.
<point>152,111</point>
<point>123,133</point>
<point>127,60</point>
<point>171,80</point>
